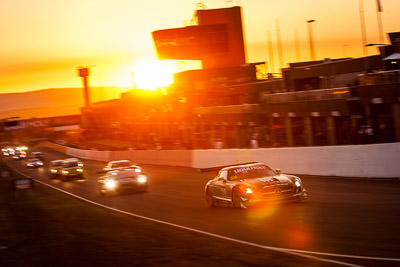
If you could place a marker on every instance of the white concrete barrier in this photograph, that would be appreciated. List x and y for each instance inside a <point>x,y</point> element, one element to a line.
<point>181,158</point>
<point>375,160</point>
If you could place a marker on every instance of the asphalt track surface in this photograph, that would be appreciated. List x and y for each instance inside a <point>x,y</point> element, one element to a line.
<point>354,221</point>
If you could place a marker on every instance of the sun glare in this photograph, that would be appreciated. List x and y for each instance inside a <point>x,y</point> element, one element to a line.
<point>153,74</point>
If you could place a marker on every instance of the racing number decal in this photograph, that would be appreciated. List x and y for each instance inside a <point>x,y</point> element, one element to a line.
<point>223,191</point>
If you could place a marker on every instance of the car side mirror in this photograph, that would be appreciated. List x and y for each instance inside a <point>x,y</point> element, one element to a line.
<point>278,171</point>
<point>221,179</point>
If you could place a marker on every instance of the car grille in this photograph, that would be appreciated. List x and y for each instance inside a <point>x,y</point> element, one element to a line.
<point>276,191</point>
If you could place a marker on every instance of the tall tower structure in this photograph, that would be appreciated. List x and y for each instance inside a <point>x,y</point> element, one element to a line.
<point>217,40</point>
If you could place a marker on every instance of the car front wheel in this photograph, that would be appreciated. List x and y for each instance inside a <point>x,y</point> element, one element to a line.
<point>237,199</point>
<point>209,198</point>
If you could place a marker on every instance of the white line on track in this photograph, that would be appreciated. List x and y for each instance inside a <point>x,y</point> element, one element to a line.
<point>300,253</point>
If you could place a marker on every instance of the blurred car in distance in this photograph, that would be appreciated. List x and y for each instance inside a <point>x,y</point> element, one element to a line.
<point>71,168</point>
<point>120,181</point>
<point>36,154</point>
<point>244,185</point>
<point>5,151</point>
<point>121,164</point>
<point>55,167</point>
<point>11,151</point>
<point>34,163</point>
<point>80,163</point>
<point>19,154</point>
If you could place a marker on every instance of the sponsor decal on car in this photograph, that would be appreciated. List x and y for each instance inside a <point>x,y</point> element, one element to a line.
<point>246,169</point>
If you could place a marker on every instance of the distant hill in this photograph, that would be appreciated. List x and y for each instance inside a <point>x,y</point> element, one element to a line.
<point>51,102</point>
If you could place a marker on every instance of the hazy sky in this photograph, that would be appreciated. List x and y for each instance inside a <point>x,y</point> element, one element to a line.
<point>44,41</point>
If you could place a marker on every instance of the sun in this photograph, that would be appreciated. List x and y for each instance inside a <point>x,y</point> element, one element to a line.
<point>151,74</point>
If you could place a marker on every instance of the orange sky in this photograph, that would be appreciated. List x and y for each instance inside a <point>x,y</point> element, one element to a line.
<point>44,41</point>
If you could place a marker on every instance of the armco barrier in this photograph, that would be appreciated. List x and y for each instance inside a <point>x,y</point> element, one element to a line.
<point>375,160</point>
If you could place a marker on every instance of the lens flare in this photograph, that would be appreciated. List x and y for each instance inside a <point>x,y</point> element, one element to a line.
<point>152,74</point>
<point>298,236</point>
<point>263,211</point>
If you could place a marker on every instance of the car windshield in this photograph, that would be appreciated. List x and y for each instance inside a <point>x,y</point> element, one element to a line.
<point>121,164</point>
<point>56,163</point>
<point>250,172</point>
<point>70,164</point>
<point>122,174</point>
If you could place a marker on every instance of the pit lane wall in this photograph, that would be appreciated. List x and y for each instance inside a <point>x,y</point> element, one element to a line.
<point>372,161</point>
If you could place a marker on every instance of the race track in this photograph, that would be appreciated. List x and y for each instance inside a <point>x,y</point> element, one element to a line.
<point>354,217</point>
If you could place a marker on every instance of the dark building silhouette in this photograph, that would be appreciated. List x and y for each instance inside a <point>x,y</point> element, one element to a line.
<point>325,102</point>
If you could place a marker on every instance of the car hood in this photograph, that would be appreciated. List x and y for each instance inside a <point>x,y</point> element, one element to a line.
<point>72,168</point>
<point>268,180</point>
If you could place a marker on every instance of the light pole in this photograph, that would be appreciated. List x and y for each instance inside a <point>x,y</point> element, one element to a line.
<point>363,31</point>
<point>311,39</point>
<point>84,72</point>
<point>345,50</point>
<point>378,13</point>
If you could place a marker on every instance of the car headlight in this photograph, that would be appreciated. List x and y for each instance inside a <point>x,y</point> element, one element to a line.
<point>79,170</point>
<point>53,170</point>
<point>138,170</point>
<point>142,179</point>
<point>80,164</point>
<point>249,190</point>
<point>40,163</point>
<point>297,182</point>
<point>110,184</point>
<point>65,172</point>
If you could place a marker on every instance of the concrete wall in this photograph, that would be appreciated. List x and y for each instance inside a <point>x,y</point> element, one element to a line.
<point>376,160</point>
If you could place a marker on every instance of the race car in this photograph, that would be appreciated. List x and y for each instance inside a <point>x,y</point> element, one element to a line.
<point>19,155</point>
<point>5,152</point>
<point>118,181</point>
<point>80,163</point>
<point>37,155</point>
<point>71,168</point>
<point>11,151</point>
<point>121,164</point>
<point>244,185</point>
<point>55,167</point>
<point>34,163</point>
